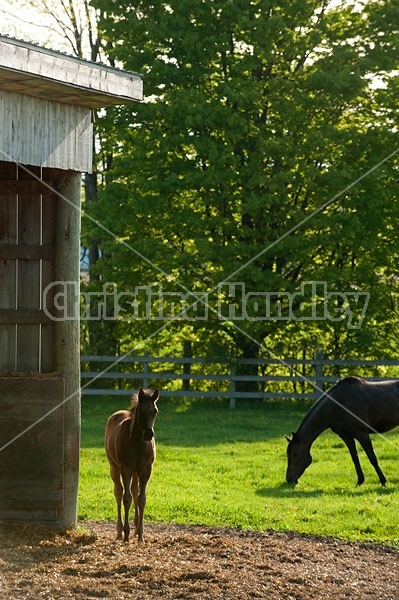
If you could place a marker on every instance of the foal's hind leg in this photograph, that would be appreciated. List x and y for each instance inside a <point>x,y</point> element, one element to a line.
<point>365,441</point>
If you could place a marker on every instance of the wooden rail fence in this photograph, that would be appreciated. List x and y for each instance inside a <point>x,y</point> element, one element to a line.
<point>202,377</point>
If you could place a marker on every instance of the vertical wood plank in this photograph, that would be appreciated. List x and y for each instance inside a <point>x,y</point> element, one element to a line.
<point>8,268</point>
<point>8,235</point>
<point>28,348</point>
<point>29,279</point>
<point>8,170</point>
<point>49,216</point>
<point>29,209</point>
<point>8,337</point>
<point>7,284</point>
<point>7,301</point>
<point>49,203</point>
<point>8,220</point>
<point>48,331</point>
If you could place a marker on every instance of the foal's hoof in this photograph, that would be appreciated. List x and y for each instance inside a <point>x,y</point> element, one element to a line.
<point>126,536</point>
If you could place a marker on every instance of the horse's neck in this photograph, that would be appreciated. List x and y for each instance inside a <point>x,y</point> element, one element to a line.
<point>314,423</point>
<point>135,429</point>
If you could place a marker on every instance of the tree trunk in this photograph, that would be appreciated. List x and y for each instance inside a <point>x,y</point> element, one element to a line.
<point>187,353</point>
<point>249,350</point>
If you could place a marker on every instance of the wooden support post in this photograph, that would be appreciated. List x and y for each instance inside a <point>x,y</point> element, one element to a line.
<point>67,340</point>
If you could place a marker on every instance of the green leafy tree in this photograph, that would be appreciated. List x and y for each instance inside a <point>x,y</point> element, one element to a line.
<point>72,26</point>
<point>253,161</point>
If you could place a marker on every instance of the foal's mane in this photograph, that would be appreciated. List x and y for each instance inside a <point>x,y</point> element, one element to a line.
<point>134,400</point>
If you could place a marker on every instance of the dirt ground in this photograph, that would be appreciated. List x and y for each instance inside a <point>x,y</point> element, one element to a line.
<point>181,562</point>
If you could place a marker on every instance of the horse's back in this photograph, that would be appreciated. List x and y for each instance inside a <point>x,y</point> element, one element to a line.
<point>117,418</point>
<point>375,403</point>
<point>372,390</point>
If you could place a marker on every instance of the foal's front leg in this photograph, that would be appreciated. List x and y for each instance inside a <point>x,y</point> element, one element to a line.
<point>141,502</point>
<point>135,494</point>
<point>127,501</point>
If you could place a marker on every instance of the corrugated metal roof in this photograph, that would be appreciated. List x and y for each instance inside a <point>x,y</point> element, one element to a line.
<point>34,71</point>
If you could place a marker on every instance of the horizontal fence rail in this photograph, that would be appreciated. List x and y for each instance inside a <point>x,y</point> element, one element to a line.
<point>212,378</point>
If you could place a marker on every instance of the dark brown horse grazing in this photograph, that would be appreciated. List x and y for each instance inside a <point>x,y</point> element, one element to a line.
<point>352,408</point>
<point>130,448</point>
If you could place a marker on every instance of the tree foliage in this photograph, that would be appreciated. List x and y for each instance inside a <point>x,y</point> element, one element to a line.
<point>264,155</point>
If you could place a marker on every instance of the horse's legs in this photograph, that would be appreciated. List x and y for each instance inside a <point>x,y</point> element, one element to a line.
<point>350,442</point>
<point>141,502</point>
<point>127,501</point>
<point>118,492</point>
<point>365,441</point>
<point>135,494</point>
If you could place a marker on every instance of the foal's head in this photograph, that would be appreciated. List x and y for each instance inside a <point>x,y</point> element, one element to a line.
<point>146,412</point>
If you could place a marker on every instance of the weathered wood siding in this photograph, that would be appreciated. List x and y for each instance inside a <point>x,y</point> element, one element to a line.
<point>28,218</point>
<point>39,246</point>
<point>45,133</point>
<point>31,443</point>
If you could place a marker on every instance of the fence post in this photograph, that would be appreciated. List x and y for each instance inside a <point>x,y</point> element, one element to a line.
<point>186,365</point>
<point>232,385</point>
<point>319,371</point>
<point>145,369</point>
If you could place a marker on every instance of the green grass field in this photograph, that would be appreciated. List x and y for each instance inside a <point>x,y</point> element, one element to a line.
<point>217,466</point>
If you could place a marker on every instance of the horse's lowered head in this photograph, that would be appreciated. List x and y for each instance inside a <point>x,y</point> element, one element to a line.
<point>146,407</point>
<point>299,458</point>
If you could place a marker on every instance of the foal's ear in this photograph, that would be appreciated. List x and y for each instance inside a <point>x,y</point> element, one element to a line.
<point>288,439</point>
<point>155,395</point>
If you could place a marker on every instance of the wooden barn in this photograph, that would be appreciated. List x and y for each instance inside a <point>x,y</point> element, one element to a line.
<point>46,105</point>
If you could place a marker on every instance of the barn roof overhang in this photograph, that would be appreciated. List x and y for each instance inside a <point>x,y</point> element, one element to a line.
<point>34,71</point>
